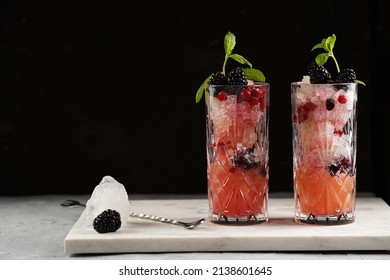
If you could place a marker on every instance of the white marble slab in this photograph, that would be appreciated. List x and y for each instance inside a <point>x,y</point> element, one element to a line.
<point>370,231</point>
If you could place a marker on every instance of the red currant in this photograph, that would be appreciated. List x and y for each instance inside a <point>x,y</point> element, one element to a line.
<point>246,94</point>
<point>254,100</point>
<point>222,96</point>
<point>338,132</point>
<point>258,92</point>
<point>342,99</point>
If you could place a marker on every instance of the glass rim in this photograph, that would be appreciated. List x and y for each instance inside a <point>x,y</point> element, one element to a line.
<point>247,85</point>
<point>327,84</point>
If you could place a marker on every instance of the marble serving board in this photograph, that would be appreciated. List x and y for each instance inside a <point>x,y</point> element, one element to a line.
<point>370,231</point>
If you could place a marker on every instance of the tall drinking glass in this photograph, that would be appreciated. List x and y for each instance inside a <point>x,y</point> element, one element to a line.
<point>324,152</point>
<point>237,119</point>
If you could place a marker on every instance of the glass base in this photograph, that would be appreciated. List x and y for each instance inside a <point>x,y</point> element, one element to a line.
<point>244,220</point>
<point>344,218</point>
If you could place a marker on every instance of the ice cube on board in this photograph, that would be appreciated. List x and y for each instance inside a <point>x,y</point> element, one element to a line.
<point>108,194</point>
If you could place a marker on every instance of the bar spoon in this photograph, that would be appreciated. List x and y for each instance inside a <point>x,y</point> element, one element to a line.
<point>187,225</point>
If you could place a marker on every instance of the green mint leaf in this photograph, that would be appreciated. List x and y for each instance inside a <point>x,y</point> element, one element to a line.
<point>199,94</point>
<point>318,46</point>
<point>254,75</point>
<point>360,82</point>
<point>322,58</point>
<point>324,45</point>
<point>327,44</point>
<point>229,43</point>
<point>251,74</point>
<point>202,89</point>
<point>330,42</point>
<point>240,59</point>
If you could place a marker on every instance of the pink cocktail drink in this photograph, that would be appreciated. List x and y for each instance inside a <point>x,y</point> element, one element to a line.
<point>324,144</point>
<point>237,152</point>
<point>237,114</point>
<point>324,140</point>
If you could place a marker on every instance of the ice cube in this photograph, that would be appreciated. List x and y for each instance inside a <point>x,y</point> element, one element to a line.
<point>306,79</point>
<point>109,194</point>
<point>342,147</point>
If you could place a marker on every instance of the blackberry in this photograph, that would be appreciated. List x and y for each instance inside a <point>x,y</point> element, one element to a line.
<point>344,166</point>
<point>237,77</point>
<point>347,75</point>
<point>318,74</point>
<point>329,104</point>
<point>107,221</point>
<point>246,160</point>
<point>333,169</point>
<point>218,78</point>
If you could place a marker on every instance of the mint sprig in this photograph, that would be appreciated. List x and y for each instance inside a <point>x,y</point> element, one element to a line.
<point>327,44</point>
<point>251,73</point>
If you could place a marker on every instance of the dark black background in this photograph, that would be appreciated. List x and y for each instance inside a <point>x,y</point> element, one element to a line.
<point>95,88</point>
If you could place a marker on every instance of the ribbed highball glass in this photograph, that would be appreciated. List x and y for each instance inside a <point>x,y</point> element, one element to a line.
<point>237,118</point>
<point>324,128</point>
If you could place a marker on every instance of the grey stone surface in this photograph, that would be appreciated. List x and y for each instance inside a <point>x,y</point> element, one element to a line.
<point>34,228</point>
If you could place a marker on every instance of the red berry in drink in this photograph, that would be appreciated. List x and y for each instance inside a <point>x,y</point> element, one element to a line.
<point>329,104</point>
<point>254,101</point>
<point>258,92</point>
<point>342,99</point>
<point>309,106</point>
<point>304,110</point>
<point>338,132</point>
<point>246,94</point>
<point>222,96</point>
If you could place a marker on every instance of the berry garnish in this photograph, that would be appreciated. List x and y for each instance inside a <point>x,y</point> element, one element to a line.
<point>318,74</point>
<point>246,94</point>
<point>218,78</point>
<point>237,78</point>
<point>254,101</point>
<point>329,104</point>
<point>344,76</point>
<point>254,96</point>
<point>222,96</point>
<point>107,221</point>
<point>258,92</point>
<point>338,132</point>
<point>304,110</point>
<point>344,166</point>
<point>246,159</point>
<point>342,99</point>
